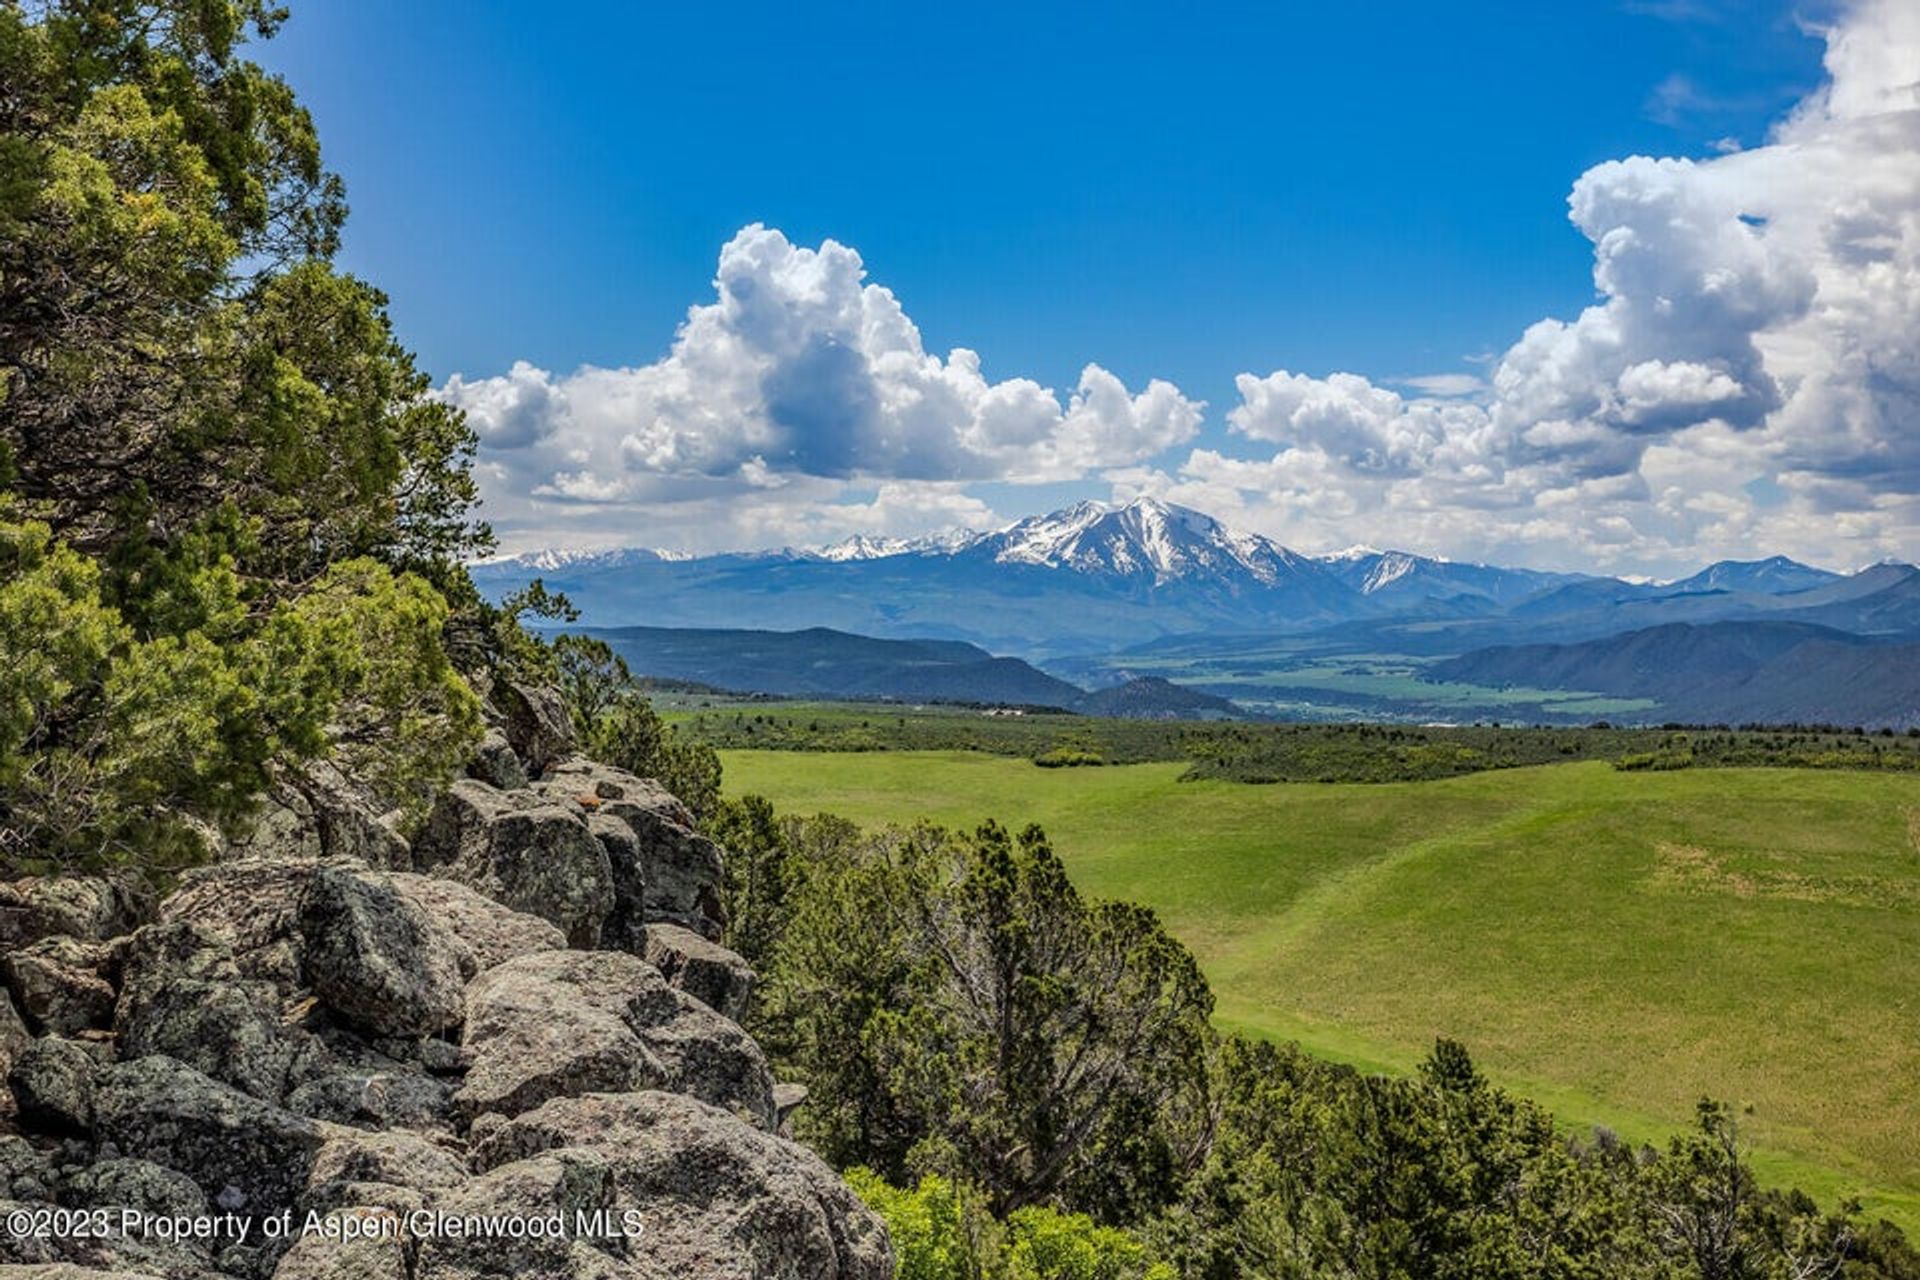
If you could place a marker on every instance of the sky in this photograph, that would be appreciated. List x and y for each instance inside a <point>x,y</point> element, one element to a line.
<point>1625,285</point>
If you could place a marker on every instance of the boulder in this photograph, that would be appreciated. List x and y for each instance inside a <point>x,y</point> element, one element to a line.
<point>183,997</point>
<point>253,904</point>
<point>14,1036</point>
<point>366,943</point>
<point>535,857</point>
<point>484,933</point>
<point>707,971</point>
<point>398,1171</point>
<point>678,873</point>
<point>718,1198</point>
<point>350,820</point>
<point>358,1242</point>
<point>373,955</point>
<point>561,1023</point>
<point>495,764</point>
<point>61,983</point>
<point>375,1100</point>
<point>538,725</point>
<point>134,1184</point>
<point>26,1172</point>
<point>318,812</point>
<point>248,1155</point>
<point>788,1098</point>
<point>559,1182</point>
<point>90,908</point>
<point>625,928</point>
<point>53,1086</point>
<point>459,827</point>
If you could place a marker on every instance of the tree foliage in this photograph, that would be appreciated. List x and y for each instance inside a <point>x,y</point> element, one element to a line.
<point>1316,1170</point>
<point>943,1230</point>
<point>954,1004</point>
<point>232,515</point>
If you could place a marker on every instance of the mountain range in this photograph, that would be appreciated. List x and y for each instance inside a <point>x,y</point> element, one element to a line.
<point>1089,576</point>
<point>1093,577</point>
<point>1103,594</point>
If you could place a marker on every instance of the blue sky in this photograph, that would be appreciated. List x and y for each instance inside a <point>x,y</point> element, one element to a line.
<point>1171,193</point>
<point>1375,187</point>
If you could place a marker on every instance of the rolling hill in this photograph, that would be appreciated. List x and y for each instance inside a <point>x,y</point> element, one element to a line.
<point>1618,944</point>
<point>1769,672</point>
<point>822,663</point>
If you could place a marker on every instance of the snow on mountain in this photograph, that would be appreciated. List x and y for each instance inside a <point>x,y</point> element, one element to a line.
<point>1403,580</point>
<point>863,547</point>
<point>1146,539</point>
<point>1388,569</point>
<point>1121,575</point>
<point>557,558</point>
<point>1776,575</point>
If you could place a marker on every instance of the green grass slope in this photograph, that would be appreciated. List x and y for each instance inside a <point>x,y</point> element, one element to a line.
<point>1615,944</point>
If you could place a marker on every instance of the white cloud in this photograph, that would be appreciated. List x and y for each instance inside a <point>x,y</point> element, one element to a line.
<point>1747,381</point>
<point>1445,384</point>
<point>1758,324</point>
<point>798,370</point>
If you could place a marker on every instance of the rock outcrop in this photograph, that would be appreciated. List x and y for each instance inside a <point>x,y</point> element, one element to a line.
<point>524,851</point>
<point>562,1023</point>
<point>705,970</point>
<point>524,1016</point>
<point>372,955</point>
<point>663,869</point>
<point>718,1199</point>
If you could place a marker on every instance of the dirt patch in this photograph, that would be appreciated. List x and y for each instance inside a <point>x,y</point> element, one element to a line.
<point>1688,868</point>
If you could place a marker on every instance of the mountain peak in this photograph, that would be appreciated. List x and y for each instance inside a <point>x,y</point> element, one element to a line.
<point>1771,576</point>
<point>1147,538</point>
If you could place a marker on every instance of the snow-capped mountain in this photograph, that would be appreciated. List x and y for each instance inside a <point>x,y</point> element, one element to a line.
<point>1145,538</point>
<point>1403,580</point>
<point>558,558</point>
<point>1774,575</point>
<point>864,547</point>
<point>1099,578</point>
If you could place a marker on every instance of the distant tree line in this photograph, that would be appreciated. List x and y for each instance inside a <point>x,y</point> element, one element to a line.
<point>1270,753</point>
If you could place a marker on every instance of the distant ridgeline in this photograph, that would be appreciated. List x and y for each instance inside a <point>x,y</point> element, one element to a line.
<point>822,663</point>
<point>1097,597</point>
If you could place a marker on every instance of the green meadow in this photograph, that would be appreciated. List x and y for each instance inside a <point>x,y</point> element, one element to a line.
<point>1616,945</point>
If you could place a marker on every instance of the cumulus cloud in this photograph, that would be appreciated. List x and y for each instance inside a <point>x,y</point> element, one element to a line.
<point>799,370</point>
<point>1747,380</point>
<point>1750,371</point>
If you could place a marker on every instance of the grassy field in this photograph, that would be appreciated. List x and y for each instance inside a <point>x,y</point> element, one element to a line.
<point>1614,944</point>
